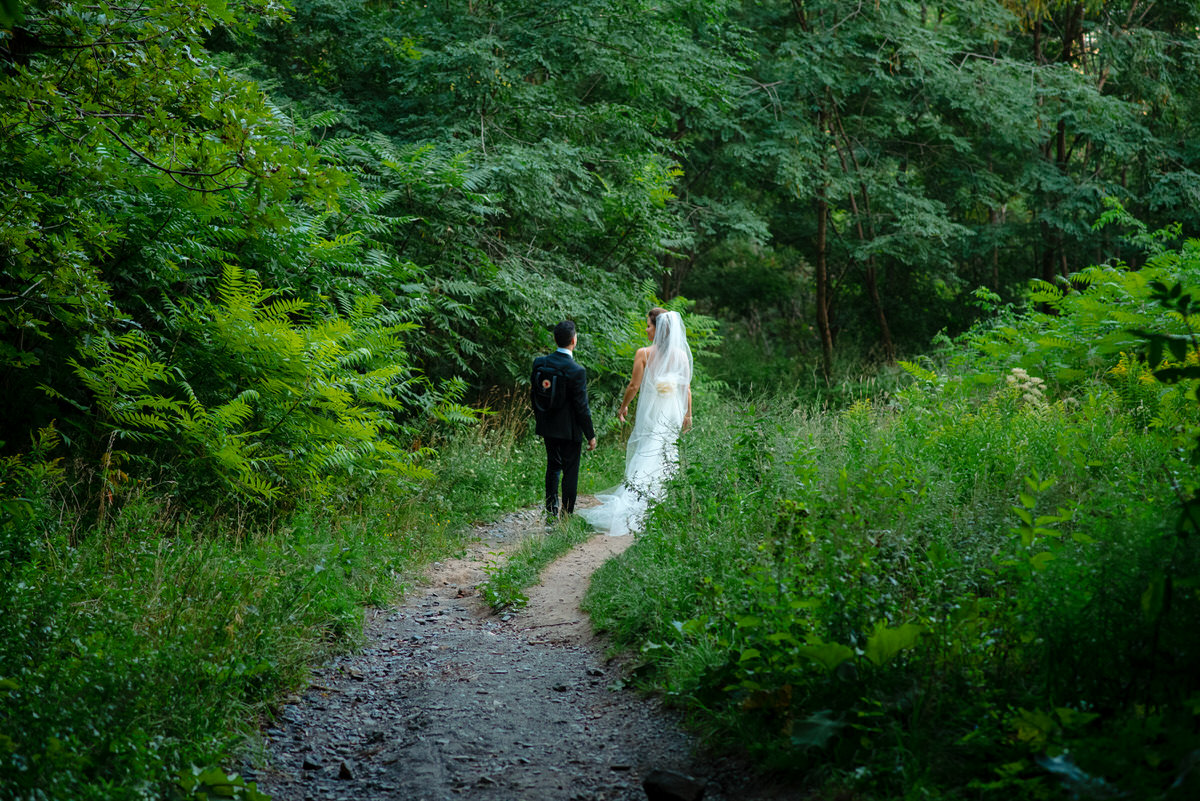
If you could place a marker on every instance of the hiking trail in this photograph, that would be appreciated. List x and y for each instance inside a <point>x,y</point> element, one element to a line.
<point>447,700</point>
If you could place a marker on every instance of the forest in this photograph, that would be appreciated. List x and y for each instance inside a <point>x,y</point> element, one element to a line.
<point>272,274</point>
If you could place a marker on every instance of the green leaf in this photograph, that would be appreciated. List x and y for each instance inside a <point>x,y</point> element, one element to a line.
<point>1040,560</point>
<point>1073,718</point>
<point>1034,726</point>
<point>884,643</point>
<point>829,655</point>
<point>1179,348</point>
<point>917,371</point>
<point>11,12</point>
<point>1153,598</point>
<point>816,730</point>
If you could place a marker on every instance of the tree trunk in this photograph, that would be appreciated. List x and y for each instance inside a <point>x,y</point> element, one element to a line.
<point>870,278</point>
<point>1048,255</point>
<point>870,271</point>
<point>822,266</point>
<point>1060,161</point>
<point>674,272</point>
<point>885,333</point>
<point>822,271</point>
<point>994,219</point>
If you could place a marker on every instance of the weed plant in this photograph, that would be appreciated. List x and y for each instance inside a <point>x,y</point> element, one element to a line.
<point>977,586</point>
<point>493,467</point>
<point>508,579</point>
<point>146,647</point>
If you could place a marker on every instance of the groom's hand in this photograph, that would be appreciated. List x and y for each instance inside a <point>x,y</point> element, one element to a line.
<point>592,444</point>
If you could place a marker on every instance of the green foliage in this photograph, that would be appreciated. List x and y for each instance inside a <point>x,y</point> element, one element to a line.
<point>200,783</point>
<point>562,119</point>
<point>251,255</point>
<point>26,479</point>
<point>131,656</point>
<point>492,467</point>
<point>11,12</point>
<point>89,170</point>
<point>1097,319</point>
<point>269,405</point>
<point>954,578</point>
<point>199,289</point>
<point>945,146</point>
<point>135,658</point>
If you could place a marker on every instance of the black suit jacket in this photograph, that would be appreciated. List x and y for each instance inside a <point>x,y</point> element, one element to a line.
<point>574,420</point>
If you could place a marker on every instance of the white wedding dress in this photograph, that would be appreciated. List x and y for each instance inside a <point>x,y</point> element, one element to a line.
<point>652,454</point>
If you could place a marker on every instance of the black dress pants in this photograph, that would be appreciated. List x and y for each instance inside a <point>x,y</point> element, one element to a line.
<point>562,457</point>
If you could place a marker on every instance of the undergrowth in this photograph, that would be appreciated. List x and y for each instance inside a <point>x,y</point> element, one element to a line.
<point>139,648</point>
<point>133,652</point>
<point>982,585</point>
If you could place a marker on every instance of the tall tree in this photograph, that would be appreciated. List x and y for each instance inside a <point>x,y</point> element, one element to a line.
<point>569,114</point>
<point>943,146</point>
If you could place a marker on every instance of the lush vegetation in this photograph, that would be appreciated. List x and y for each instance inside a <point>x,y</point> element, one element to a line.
<point>139,656</point>
<point>267,270</point>
<point>981,584</point>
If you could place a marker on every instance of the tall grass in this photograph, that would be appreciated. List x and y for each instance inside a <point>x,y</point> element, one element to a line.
<point>147,646</point>
<point>949,592</point>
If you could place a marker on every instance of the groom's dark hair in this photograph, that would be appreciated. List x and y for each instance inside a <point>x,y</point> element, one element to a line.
<point>564,332</point>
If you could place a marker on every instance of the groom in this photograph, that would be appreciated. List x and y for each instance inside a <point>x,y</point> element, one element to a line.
<point>558,391</point>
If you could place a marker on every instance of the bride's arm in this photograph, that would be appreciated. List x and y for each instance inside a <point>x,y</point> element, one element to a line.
<point>687,417</point>
<point>635,381</point>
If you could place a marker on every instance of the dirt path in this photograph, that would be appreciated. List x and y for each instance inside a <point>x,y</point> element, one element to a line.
<point>448,701</point>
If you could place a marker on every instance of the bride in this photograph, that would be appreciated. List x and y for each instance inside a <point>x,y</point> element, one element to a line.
<point>663,373</point>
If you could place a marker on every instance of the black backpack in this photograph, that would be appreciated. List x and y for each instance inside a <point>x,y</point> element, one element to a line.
<point>549,388</point>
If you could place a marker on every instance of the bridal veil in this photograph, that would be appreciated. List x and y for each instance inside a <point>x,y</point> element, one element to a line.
<point>652,454</point>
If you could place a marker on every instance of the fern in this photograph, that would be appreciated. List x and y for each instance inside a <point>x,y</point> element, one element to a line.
<point>918,372</point>
<point>1110,311</point>
<point>1042,292</point>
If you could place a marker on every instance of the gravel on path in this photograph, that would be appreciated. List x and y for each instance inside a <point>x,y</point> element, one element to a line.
<point>449,701</point>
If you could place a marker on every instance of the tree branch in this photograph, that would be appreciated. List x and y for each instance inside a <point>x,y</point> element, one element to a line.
<point>172,173</point>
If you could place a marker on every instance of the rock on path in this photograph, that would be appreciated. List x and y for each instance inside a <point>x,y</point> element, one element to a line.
<point>448,701</point>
